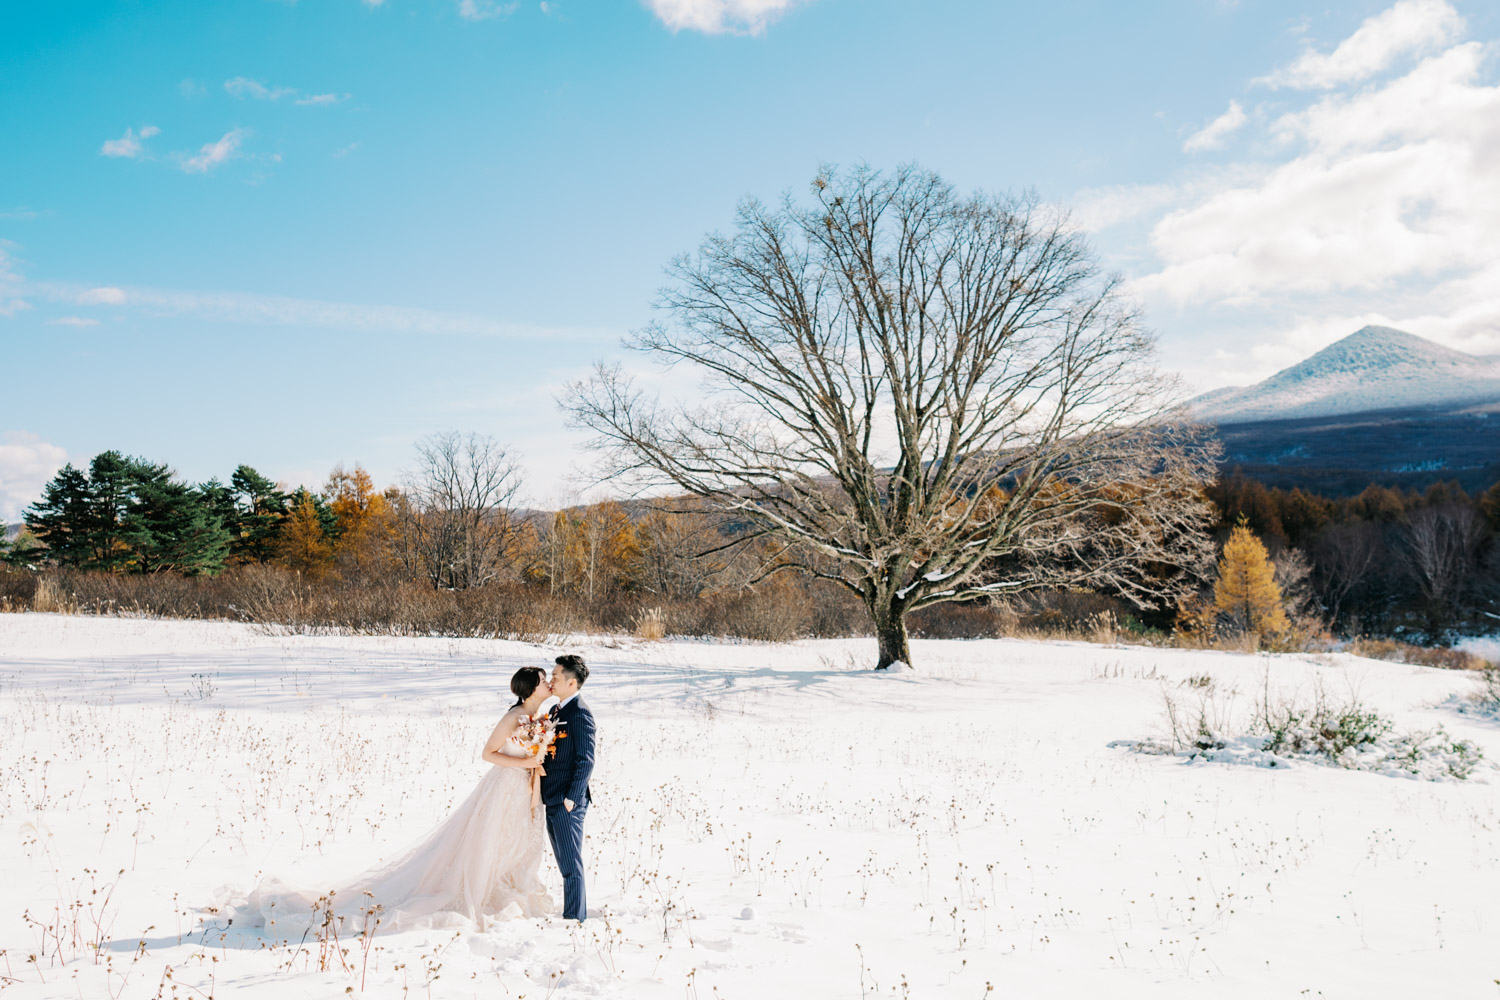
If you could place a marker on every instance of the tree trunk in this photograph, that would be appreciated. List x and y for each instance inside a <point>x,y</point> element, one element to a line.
<point>890,630</point>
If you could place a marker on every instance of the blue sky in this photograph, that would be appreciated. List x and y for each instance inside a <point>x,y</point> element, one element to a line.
<point>296,234</point>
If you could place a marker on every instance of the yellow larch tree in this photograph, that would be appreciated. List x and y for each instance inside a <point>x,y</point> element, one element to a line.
<point>1246,591</point>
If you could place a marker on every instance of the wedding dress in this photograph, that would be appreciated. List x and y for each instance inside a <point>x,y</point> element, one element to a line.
<point>482,863</point>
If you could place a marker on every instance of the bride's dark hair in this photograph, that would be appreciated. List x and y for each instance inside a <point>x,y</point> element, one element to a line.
<point>524,682</point>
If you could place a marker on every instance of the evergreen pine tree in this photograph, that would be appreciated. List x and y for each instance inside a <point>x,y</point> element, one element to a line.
<point>1246,592</point>
<point>173,527</point>
<point>60,516</point>
<point>112,481</point>
<point>260,508</point>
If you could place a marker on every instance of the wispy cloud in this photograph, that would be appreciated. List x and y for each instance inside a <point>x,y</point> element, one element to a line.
<point>716,17</point>
<point>485,10</point>
<point>212,154</point>
<point>10,286</point>
<point>26,464</point>
<point>101,297</point>
<point>243,87</point>
<point>72,321</point>
<point>129,145</point>
<point>280,310</point>
<point>1212,135</point>
<point>22,214</point>
<point>1409,27</point>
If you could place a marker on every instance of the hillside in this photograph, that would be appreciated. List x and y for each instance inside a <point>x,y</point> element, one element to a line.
<point>1375,368</point>
<point>1380,406</point>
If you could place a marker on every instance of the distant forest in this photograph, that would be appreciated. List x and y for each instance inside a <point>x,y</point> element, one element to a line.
<point>449,552</point>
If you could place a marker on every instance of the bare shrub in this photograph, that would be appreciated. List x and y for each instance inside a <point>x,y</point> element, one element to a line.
<point>977,620</point>
<point>1322,726</point>
<point>1205,723</point>
<point>1487,693</point>
<point>16,589</point>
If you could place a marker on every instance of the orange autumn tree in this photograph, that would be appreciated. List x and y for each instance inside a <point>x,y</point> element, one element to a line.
<point>1246,593</point>
<point>362,515</point>
<point>302,543</point>
<point>600,547</point>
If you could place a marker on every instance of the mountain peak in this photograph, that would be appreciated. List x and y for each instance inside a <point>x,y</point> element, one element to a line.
<point>1374,368</point>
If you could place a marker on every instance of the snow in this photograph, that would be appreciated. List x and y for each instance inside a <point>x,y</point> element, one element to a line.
<point>770,821</point>
<point>1486,647</point>
<point>1375,368</point>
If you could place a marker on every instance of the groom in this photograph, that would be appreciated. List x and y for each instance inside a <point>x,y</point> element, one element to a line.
<point>565,785</point>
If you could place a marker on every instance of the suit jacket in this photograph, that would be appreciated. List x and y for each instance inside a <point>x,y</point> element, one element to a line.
<point>569,768</point>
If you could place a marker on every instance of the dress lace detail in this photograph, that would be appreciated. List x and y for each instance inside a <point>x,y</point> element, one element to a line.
<point>482,863</point>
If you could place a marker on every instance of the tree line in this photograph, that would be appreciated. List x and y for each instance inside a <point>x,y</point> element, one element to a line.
<point>451,525</point>
<point>1382,562</point>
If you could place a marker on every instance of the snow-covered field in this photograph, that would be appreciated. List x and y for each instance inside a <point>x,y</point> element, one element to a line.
<point>770,821</point>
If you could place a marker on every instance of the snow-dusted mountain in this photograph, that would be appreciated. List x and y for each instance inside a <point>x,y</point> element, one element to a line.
<point>1377,368</point>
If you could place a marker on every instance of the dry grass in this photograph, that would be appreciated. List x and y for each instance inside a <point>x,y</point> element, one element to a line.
<point>650,625</point>
<point>1421,656</point>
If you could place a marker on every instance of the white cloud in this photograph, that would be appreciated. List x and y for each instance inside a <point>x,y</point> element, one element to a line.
<point>243,87</point>
<point>214,153</point>
<point>714,17</point>
<point>279,310</point>
<point>129,145</point>
<point>26,464</point>
<point>484,10</point>
<point>106,296</point>
<point>1212,135</point>
<point>72,321</point>
<point>1409,27</point>
<point>1394,183</point>
<point>10,286</point>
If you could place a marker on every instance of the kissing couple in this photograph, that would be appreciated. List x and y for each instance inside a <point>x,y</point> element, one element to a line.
<point>483,862</point>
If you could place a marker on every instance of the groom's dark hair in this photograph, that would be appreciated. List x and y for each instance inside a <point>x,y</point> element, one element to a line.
<point>572,664</point>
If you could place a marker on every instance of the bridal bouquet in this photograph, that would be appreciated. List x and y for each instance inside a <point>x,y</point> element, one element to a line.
<point>537,737</point>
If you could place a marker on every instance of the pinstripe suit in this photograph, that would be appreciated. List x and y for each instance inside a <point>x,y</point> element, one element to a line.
<point>567,777</point>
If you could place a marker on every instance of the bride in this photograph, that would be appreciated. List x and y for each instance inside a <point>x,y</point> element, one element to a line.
<point>482,863</point>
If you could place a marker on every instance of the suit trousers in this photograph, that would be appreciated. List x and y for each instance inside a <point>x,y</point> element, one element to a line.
<point>565,829</point>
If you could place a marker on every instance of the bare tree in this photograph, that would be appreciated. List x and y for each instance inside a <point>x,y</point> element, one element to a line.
<point>1344,555</point>
<point>908,388</point>
<point>454,517</point>
<point>1441,546</point>
<point>681,550</point>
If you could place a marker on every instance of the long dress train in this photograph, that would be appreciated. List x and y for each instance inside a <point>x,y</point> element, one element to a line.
<point>482,863</point>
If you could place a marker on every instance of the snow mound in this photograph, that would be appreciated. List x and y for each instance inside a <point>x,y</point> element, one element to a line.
<point>1430,755</point>
<point>1375,368</point>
